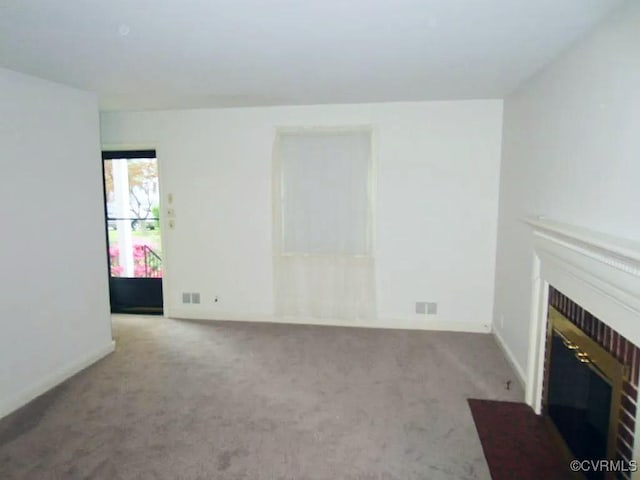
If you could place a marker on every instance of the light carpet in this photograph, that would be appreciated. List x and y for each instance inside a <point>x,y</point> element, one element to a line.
<point>231,400</point>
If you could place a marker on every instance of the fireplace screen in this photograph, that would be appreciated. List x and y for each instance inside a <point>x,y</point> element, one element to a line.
<point>579,403</point>
<point>583,395</point>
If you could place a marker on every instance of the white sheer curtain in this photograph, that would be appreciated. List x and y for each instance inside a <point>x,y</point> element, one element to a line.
<point>323,259</point>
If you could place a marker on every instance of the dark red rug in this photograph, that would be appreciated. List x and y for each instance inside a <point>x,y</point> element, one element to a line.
<point>517,443</point>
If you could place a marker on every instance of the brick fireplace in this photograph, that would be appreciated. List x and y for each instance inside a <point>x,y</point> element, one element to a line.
<point>623,350</point>
<point>594,281</point>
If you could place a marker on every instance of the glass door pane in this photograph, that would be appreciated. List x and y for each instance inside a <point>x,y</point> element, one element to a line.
<point>132,206</point>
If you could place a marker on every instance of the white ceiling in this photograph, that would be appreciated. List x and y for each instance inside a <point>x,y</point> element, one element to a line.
<point>149,54</point>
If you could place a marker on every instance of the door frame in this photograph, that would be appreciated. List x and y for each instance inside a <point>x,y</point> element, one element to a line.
<point>130,147</point>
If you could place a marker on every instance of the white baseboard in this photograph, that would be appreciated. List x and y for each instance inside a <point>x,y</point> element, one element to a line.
<point>400,323</point>
<point>20,399</point>
<point>510,358</point>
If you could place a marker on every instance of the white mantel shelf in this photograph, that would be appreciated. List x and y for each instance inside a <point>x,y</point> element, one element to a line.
<point>619,247</point>
<point>598,271</point>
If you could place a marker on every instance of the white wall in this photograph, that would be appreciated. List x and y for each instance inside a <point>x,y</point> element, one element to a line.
<point>571,152</point>
<point>437,175</point>
<point>54,314</point>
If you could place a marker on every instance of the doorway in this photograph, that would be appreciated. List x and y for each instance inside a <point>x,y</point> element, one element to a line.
<point>132,225</point>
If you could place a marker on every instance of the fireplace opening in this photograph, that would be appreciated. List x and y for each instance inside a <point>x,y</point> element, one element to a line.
<point>583,394</point>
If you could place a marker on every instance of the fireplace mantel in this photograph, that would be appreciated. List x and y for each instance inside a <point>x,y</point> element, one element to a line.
<point>624,249</point>
<point>597,271</point>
